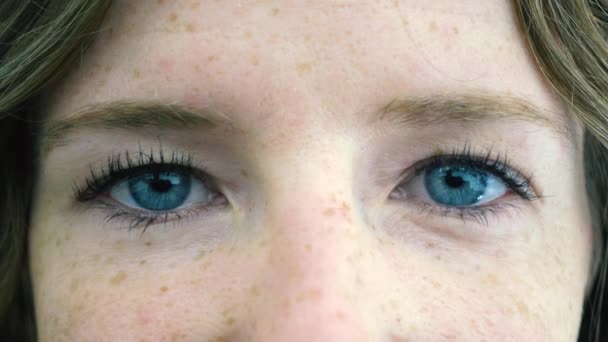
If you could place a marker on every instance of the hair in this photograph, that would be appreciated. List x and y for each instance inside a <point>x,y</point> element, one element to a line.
<point>39,40</point>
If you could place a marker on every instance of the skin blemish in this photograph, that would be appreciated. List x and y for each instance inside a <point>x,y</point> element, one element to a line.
<point>201,254</point>
<point>254,291</point>
<point>433,27</point>
<point>164,289</point>
<point>303,68</point>
<point>313,295</point>
<point>329,212</point>
<point>230,321</point>
<point>190,27</point>
<point>523,308</point>
<point>74,284</point>
<point>118,278</point>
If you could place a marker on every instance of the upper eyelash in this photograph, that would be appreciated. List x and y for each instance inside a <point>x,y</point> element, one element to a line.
<point>120,165</point>
<point>498,165</point>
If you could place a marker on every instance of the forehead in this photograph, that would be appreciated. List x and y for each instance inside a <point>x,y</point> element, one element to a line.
<point>302,57</point>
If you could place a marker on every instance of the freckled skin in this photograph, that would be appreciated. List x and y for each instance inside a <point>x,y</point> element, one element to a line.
<point>310,249</point>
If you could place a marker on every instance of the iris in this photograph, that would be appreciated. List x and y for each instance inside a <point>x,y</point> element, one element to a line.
<point>160,190</point>
<point>456,186</point>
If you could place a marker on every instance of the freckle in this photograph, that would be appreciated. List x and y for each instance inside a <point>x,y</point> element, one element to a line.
<point>438,257</point>
<point>490,279</point>
<point>405,22</point>
<point>195,5</point>
<point>340,315</point>
<point>110,261</point>
<point>160,2</point>
<point>190,28</point>
<point>430,245</point>
<point>244,173</point>
<point>201,254</point>
<point>523,308</point>
<point>148,243</point>
<point>74,284</point>
<point>313,294</point>
<point>211,58</point>
<point>253,291</point>
<point>255,60</point>
<point>455,30</point>
<point>173,17</point>
<point>275,12</point>
<point>142,262</point>
<point>248,35</point>
<point>136,73</point>
<point>230,321</point>
<point>433,26</point>
<point>308,247</point>
<point>205,266</point>
<point>262,243</point>
<point>58,242</point>
<point>107,68</point>
<point>329,212</point>
<point>96,258</point>
<point>164,289</point>
<point>345,207</point>
<point>118,278</point>
<point>304,67</point>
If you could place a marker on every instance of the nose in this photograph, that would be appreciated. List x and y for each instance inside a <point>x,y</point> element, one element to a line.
<point>319,253</point>
<point>310,279</point>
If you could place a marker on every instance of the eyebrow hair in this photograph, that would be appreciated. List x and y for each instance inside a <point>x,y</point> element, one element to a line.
<point>471,108</point>
<point>129,115</point>
<point>410,111</point>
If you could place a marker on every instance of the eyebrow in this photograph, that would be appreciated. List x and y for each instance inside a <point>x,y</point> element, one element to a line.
<point>470,109</point>
<point>129,115</point>
<point>408,111</point>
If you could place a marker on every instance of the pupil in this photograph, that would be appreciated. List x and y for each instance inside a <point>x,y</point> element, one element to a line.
<point>453,181</point>
<point>160,185</point>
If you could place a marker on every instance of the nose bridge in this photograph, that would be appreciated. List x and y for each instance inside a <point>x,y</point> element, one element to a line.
<point>308,279</point>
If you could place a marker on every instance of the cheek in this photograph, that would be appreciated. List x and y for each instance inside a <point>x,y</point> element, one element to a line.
<point>113,299</point>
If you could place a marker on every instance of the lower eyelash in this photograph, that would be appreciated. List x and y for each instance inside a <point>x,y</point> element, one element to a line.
<point>142,220</point>
<point>480,214</point>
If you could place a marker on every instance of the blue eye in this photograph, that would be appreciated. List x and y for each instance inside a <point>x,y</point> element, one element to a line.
<point>161,191</point>
<point>455,186</point>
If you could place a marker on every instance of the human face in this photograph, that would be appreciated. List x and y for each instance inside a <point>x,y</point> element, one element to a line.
<point>304,208</point>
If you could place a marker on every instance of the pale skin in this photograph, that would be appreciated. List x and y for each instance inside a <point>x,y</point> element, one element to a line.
<point>309,245</point>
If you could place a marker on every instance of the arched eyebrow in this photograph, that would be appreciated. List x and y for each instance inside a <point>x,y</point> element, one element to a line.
<point>404,112</point>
